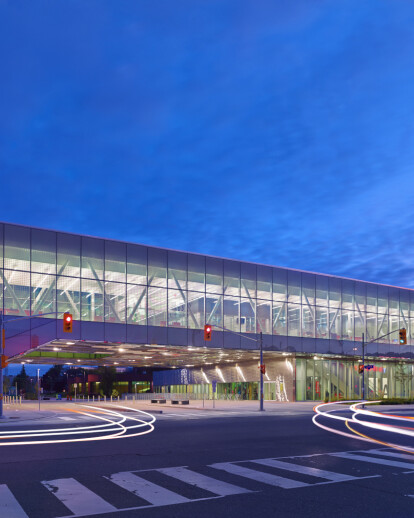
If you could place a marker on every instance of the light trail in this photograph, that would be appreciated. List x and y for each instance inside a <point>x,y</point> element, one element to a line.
<point>119,429</point>
<point>329,414</point>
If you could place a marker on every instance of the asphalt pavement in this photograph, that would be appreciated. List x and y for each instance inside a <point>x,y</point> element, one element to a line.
<point>204,463</point>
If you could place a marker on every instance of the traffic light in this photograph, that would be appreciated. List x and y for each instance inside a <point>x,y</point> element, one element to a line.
<point>360,368</point>
<point>263,368</point>
<point>67,323</point>
<point>4,359</point>
<point>403,336</point>
<point>207,332</point>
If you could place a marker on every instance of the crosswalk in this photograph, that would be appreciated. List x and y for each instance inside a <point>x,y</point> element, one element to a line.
<point>183,484</point>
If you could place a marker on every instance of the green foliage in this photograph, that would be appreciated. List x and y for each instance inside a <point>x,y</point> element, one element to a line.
<point>107,377</point>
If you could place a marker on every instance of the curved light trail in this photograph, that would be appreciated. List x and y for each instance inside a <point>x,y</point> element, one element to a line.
<point>321,412</point>
<point>116,426</point>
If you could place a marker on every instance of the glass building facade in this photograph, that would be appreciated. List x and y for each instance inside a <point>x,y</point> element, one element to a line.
<point>137,294</point>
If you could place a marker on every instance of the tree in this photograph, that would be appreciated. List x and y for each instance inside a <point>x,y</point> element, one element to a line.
<point>108,377</point>
<point>54,379</point>
<point>23,381</point>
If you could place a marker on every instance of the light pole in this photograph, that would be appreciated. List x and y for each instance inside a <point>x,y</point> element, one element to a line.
<point>38,386</point>
<point>261,372</point>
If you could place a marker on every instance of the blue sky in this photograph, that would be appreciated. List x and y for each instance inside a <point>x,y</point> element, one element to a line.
<point>276,132</point>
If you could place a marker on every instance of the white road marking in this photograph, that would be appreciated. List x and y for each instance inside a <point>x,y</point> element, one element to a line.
<point>297,468</point>
<point>202,481</point>
<point>373,460</point>
<point>78,498</point>
<point>405,456</point>
<point>259,476</point>
<point>149,491</point>
<point>9,506</point>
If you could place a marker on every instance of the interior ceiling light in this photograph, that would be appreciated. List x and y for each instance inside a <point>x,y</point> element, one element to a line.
<point>70,343</point>
<point>56,349</point>
<point>121,350</point>
<point>147,357</point>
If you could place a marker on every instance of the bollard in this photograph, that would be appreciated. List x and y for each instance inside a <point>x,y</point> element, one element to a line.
<point>105,399</point>
<point>88,398</point>
<point>93,398</point>
<point>20,399</point>
<point>111,399</point>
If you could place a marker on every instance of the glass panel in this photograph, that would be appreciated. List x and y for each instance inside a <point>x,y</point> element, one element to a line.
<point>136,305</point>
<point>347,325</point>
<point>335,324</point>
<point>1,247</point>
<point>383,327</point>
<point>371,298</point>
<point>196,272</point>
<point>16,293</point>
<point>294,287</point>
<point>68,296</point>
<point>264,282</point>
<point>232,278</point>
<point>248,280</point>
<point>308,289</point>
<point>248,316</point>
<point>382,299</point>
<point>16,248</point>
<point>136,264</point>
<point>322,329</point>
<point>115,261</point>
<point>157,306</point>
<point>177,270</point>
<point>195,310</point>
<point>279,318</point>
<point>359,326</point>
<point>279,285</point>
<point>371,326</point>
<point>348,291</point>
<point>360,296</point>
<point>177,308</point>
<point>294,326</point>
<point>92,301</point>
<point>114,302</point>
<point>43,294</point>
<point>322,290</point>
<point>214,309</point>
<point>394,301</point>
<point>68,255</point>
<point>334,293</point>
<point>43,251</point>
<point>264,317</point>
<point>157,267</point>
<point>92,258</point>
<point>308,321</point>
<point>214,275</point>
<point>231,313</point>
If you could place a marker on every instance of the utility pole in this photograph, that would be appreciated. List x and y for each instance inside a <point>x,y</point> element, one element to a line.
<point>1,366</point>
<point>261,372</point>
<point>363,365</point>
<point>38,386</point>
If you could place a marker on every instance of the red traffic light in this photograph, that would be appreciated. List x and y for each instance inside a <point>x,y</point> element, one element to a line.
<point>67,322</point>
<point>207,332</point>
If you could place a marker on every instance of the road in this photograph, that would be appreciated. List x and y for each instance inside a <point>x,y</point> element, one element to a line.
<point>200,463</point>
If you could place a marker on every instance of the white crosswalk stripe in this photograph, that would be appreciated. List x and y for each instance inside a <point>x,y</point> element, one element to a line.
<point>374,460</point>
<point>9,506</point>
<point>82,501</point>
<point>259,476</point>
<point>404,456</point>
<point>152,493</point>
<point>78,498</point>
<point>202,481</point>
<point>306,470</point>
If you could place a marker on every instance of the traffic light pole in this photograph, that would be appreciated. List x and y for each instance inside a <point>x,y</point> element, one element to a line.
<point>260,340</point>
<point>363,365</point>
<point>2,345</point>
<point>363,354</point>
<point>1,366</point>
<point>261,372</point>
